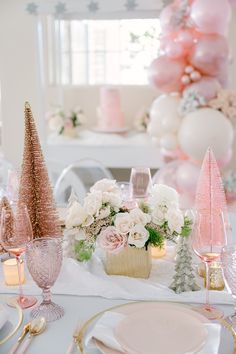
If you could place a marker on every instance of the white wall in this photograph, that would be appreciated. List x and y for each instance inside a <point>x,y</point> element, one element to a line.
<point>18,74</point>
<point>19,79</point>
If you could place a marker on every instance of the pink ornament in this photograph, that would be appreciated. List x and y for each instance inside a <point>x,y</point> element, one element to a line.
<point>207,86</point>
<point>165,74</point>
<point>195,76</point>
<point>211,17</point>
<point>210,199</point>
<point>185,79</point>
<point>189,69</point>
<point>210,53</point>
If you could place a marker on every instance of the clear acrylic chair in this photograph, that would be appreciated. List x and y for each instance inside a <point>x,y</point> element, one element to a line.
<point>79,177</point>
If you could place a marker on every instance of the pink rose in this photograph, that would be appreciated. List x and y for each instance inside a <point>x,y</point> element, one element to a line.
<point>111,241</point>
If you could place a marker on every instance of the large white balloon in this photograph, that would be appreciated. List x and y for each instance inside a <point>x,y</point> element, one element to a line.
<point>164,112</point>
<point>205,128</point>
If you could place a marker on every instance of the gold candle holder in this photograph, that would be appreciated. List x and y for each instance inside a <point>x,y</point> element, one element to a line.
<point>158,252</point>
<point>10,271</point>
<point>215,275</point>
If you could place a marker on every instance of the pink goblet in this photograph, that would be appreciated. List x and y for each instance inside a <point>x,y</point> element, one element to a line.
<point>44,260</point>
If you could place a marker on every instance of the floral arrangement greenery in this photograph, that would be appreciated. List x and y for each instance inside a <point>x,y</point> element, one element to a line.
<point>104,221</point>
<point>65,123</point>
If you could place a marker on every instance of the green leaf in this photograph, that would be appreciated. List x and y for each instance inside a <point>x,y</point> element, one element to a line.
<point>155,238</point>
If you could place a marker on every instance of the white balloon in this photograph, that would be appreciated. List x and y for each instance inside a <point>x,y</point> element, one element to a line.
<point>164,111</point>
<point>154,128</point>
<point>169,141</point>
<point>205,128</point>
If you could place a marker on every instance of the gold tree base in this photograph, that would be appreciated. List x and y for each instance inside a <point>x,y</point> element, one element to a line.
<point>131,261</point>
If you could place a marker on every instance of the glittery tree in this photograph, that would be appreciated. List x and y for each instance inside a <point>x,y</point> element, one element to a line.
<point>210,200</point>
<point>35,190</point>
<point>184,278</point>
<point>10,220</point>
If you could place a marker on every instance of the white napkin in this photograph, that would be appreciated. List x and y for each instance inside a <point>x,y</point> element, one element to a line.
<point>3,316</point>
<point>103,331</point>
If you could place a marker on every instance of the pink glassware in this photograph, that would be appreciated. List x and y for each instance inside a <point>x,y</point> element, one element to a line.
<point>15,233</point>
<point>208,245</point>
<point>44,260</point>
<point>141,182</point>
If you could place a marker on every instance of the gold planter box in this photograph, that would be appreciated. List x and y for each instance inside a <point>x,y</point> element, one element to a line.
<point>131,262</point>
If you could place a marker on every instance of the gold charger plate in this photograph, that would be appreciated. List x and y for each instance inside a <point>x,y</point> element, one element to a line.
<point>81,334</point>
<point>18,321</point>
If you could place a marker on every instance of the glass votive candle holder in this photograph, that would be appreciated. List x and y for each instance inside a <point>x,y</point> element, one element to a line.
<point>10,271</point>
<point>215,275</point>
<point>158,252</point>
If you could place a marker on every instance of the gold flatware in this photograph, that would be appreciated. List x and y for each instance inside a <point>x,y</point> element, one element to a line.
<point>36,326</point>
<point>20,339</point>
<point>19,320</point>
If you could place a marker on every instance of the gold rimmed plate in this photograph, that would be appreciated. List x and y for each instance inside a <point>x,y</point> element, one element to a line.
<point>227,339</point>
<point>15,319</point>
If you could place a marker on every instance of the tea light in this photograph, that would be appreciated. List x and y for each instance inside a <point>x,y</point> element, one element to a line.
<point>10,272</point>
<point>215,274</point>
<point>158,252</point>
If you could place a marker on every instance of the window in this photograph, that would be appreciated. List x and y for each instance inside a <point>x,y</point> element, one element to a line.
<point>93,52</point>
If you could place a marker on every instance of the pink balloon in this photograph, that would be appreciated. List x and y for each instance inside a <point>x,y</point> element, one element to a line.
<point>165,74</point>
<point>187,176</point>
<point>174,50</point>
<point>232,3</point>
<point>166,18</point>
<point>210,54</point>
<point>207,86</point>
<point>211,16</point>
<point>186,38</point>
<point>166,174</point>
<point>225,159</point>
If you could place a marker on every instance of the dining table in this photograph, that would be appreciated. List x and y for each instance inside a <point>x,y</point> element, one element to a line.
<point>83,291</point>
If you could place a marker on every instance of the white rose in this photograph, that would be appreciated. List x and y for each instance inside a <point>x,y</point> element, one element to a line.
<point>93,202</point>
<point>77,216</point>
<point>163,195</point>
<point>175,220</point>
<point>105,185</point>
<point>104,212</point>
<point>159,215</point>
<point>138,236</point>
<point>139,217</point>
<point>114,199</point>
<point>123,223</point>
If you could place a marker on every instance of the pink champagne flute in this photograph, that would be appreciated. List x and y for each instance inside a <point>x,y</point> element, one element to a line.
<point>15,233</point>
<point>208,239</point>
<point>141,182</point>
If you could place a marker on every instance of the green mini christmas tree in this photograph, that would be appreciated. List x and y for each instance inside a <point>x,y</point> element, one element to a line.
<point>184,278</point>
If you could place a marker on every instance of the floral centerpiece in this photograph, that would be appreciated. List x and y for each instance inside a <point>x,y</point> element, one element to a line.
<point>105,222</point>
<point>65,123</point>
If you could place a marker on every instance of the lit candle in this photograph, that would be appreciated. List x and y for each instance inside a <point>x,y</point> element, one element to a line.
<point>10,272</point>
<point>158,252</point>
<point>215,275</point>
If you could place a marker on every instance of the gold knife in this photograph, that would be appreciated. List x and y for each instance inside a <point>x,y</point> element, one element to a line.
<point>20,339</point>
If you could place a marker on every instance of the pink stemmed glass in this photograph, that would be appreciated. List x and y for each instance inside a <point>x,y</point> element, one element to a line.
<point>141,182</point>
<point>44,260</point>
<point>15,233</point>
<point>208,239</point>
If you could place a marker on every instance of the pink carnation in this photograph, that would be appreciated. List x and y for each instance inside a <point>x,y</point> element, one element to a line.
<point>110,240</point>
